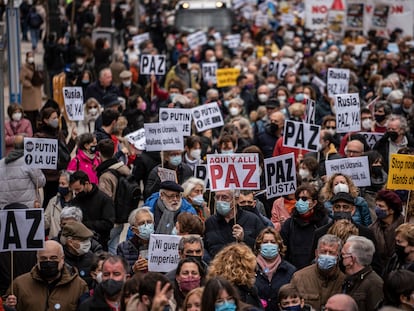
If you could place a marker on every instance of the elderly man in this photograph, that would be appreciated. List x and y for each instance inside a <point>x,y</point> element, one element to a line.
<point>49,286</point>
<point>230,224</point>
<point>362,283</point>
<point>341,302</point>
<point>102,87</point>
<point>319,281</point>
<point>166,205</point>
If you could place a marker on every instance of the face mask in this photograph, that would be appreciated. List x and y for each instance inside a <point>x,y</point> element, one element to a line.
<point>223,208</point>
<point>379,117</point>
<point>341,188</point>
<point>80,195</point>
<point>172,96</point>
<point>248,208</point>
<point>211,43</point>
<point>226,306</point>
<point>30,60</point>
<point>54,123</point>
<point>273,128</point>
<point>92,150</point>
<point>79,61</point>
<point>174,231</point>
<point>269,250</point>
<point>302,206</point>
<point>366,124</point>
<point>406,110</point>
<point>84,247</point>
<point>184,66</point>
<point>127,83</point>
<point>395,106</point>
<point>282,99</point>
<point>381,214</point>
<point>175,160</point>
<point>271,86</point>
<point>234,111</point>
<point>212,59</point>
<point>226,103</point>
<point>145,231</point>
<point>263,98</point>
<point>342,215</point>
<point>299,97</point>
<point>194,72</point>
<point>304,79</point>
<point>400,251</point>
<point>289,86</point>
<point>198,200</point>
<point>319,59</point>
<point>48,269</point>
<point>293,308</point>
<point>63,191</point>
<point>85,81</point>
<point>189,284</point>
<point>304,173</point>
<point>386,90</point>
<point>17,116</point>
<point>230,151</point>
<point>393,135</point>
<point>93,111</point>
<point>196,154</point>
<point>331,131</point>
<point>99,277</point>
<point>326,262</point>
<point>112,287</point>
<point>377,171</point>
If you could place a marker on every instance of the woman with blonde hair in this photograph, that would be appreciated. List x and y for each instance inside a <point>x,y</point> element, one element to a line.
<point>192,301</point>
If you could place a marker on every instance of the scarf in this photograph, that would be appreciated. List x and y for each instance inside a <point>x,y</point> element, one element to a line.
<point>167,220</point>
<point>269,268</point>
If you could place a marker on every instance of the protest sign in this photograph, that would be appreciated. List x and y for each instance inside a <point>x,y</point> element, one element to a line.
<point>73,98</point>
<point>207,116</point>
<point>137,139</point>
<point>319,83</point>
<point>301,135</point>
<point>177,116</point>
<point>196,39</point>
<point>163,136</point>
<point>401,172</point>
<point>163,252</point>
<point>41,153</point>
<point>152,64</point>
<point>233,41</point>
<point>233,171</point>
<point>209,72</point>
<point>355,15</point>
<point>278,68</point>
<point>310,111</point>
<point>138,39</point>
<point>372,138</point>
<point>166,174</point>
<point>316,13</point>
<point>280,175</point>
<point>200,171</point>
<point>338,81</point>
<point>22,230</point>
<point>357,168</point>
<point>227,76</point>
<point>348,117</point>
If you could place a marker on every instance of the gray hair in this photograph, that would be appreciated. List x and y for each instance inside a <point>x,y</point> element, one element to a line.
<point>383,104</point>
<point>190,239</point>
<point>329,239</point>
<point>192,91</point>
<point>190,184</point>
<point>140,210</point>
<point>211,92</point>
<point>65,174</point>
<point>403,121</point>
<point>72,212</point>
<point>362,249</point>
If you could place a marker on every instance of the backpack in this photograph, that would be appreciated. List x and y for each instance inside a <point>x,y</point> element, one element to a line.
<point>127,196</point>
<point>35,20</point>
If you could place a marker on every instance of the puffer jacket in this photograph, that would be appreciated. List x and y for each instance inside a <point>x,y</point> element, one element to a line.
<point>81,162</point>
<point>13,128</point>
<point>33,292</point>
<point>18,182</point>
<point>130,250</point>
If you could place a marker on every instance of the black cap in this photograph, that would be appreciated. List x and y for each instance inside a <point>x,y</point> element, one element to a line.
<point>272,103</point>
<point>171,185</point>
<point>343,196</point>
<point>110,100</point>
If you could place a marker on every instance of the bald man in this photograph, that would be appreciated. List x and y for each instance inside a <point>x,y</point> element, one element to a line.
<point>341,302</point>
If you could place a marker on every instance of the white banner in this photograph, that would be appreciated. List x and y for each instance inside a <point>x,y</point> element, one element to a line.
<point>357,168</point>
<point>152,64</point>
<point>301,135</point>
<point>163,137</point>
<point>348,118</point>
<point>207,116</point>
<point>233,171</point>
<point>177,115</point>
<point>163,252</point>
<point>209,72</point>
<point>22,230</point>
<point>137,139</point>
<point>196,39</point>
<point>338,81</point>
<point>73,98</point>
<point>41,152</point>
<point>280,174</point>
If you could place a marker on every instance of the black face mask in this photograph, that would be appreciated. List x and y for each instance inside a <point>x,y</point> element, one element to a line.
<point>342,215</point>
<point>92,150</point>
<point>392,135</point>
<point>48,269</point>
<point>377,171</point>
<point>379,118</point>
<point>272,128</point>
<point>248,208</point>
<point>399,250</point>
<point>184,66</point>
<point>112,287</point>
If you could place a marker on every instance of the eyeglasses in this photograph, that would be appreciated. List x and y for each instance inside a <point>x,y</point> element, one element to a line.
<point>173,196</point>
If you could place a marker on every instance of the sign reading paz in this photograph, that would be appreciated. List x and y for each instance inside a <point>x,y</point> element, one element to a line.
<point>22,230</point>
<point>41,152</point>
<point>233,171</point>
<point>152,64</point>
<point>163,252</point>
<point>200,171</point>
<point>401,172</point>
<point>301,135</point>
<point>280,174</point>
<point>73,98</point>
<point>348,117</point>
<point>357,168</point>
<point>177,115</point>
<point>163,136</point>
<point>207,116</point>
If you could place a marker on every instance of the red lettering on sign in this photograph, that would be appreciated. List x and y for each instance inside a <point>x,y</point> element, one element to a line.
<point>216,172</point>
<point>397,9</point>
<point>246,182</point>
<point>368,8</point>
<point>319,9</point>
<point>231,177</point>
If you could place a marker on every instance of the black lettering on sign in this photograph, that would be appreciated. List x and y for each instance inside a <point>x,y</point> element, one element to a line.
<point>289,175</point>
<point>313,142</point>
<point>300,139</point>
<point>11,233</point>
<point>37,217</point>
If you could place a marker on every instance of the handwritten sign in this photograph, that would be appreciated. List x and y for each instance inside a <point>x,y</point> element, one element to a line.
<point>167,174</point>
<point>73,98</point>
<point>137,139</point>
<point>163,252</point>
<point>357,168</point>
<point>227,76</point>
<point>338,81</point>
<point>401,172</point>
<point>196,39</point>
<point>348,118</point>
<point>163,136</point>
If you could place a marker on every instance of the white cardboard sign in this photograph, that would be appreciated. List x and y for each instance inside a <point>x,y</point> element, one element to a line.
<point>163,137</point>
<point>338,81</point>
<point>207,116</point>
<point>177,115</point>
<point>280,68</point>
<point>310,111</point>
<point>357,168</point>
<point>301,135</point>
<point>152,64</point>
<point>73,98</point>
<point>167,174</point>
<point>163,252</point>
<point>196,39</point>
<point>137,139</point>
<point>138,39</point>
<point>41,153</point>
<point>233,41</point>
<point>348,116</point>
<point>280,175</point>
<point>209,72</point>
<point>372,138</point>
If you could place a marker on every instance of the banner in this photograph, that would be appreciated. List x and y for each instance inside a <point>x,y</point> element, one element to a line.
<point>163,252</point>
<point>73,98</point>
<point>348,116</point>
<point>41,153</point>
<point>177,115</point>
<point>152,64</point>
<point>280,175</point>
<point>301,135</point>
<point>227,76</point>
<point>338,81</point>
<point>137,139</point>
<point>233,171</point>
<point>138,39</point>
<point>355,15</point>
<point>22,230</point>
<point>163,137</point>
<point>356,168</point>
<point>207,116</point>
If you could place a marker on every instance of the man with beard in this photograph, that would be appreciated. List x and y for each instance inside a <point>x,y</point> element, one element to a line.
<point>49,285</point>
<point>108,294</point>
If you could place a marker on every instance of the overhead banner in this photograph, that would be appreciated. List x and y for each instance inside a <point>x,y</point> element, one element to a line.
<point>280,175</point>
<point>137,139</point>
<point>401,172</point>
<point>73,99</point>
<point>163,137</point>
<point>357,168</point>
<point>348,108</point>
<point>163,252</point>
<point>41,153</point>
<point>209,72</point>
<point>152,64</point>
<point>338,81</point>
<point>233,171</point>
<point>196,39</point>
<point>227,76</point>
<point>355,15</point>
<point>301,135</point>
<point>177,115</point>
<point>22,230</point>
<point>207,116</point>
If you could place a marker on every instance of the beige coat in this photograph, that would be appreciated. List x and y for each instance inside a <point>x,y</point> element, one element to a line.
<point>31,95</point>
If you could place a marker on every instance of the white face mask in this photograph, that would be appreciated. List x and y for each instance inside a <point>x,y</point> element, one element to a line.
<point>93,111</point>
<point>331,131</point>
<point>341,188</point>
<point>30,60</point>
<point>282,99</point>
<point>99,277</point>
<point>366,124</point>
<point>127,83</point>
<point>196,154</point>
<point>271,86</point>
<point>17,116</point>
<point>263,98</point>
<point>234,111</point>
<point>79,61</point>
<point>84,247</point>
<point>304,173</point>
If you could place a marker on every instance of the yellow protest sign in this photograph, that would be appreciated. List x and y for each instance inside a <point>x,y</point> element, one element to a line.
<point>401,172</point>
<point>227,76</point>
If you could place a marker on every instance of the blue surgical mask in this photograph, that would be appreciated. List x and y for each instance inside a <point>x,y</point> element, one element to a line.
<point>223,207</point>
<point>326,262</point>
<point>230,151</point>
<point>175,160</point>
<point>302,206</point>
<point>226,306</point>
<point>299,97</point>
<point>174,231</point>
<point>293,308</point>
<point>269,250</point>
<point>381,214</point>
<point>304,79</point>
<point>145,231</point>
<point>198,200</point>
<point>386,90</point>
